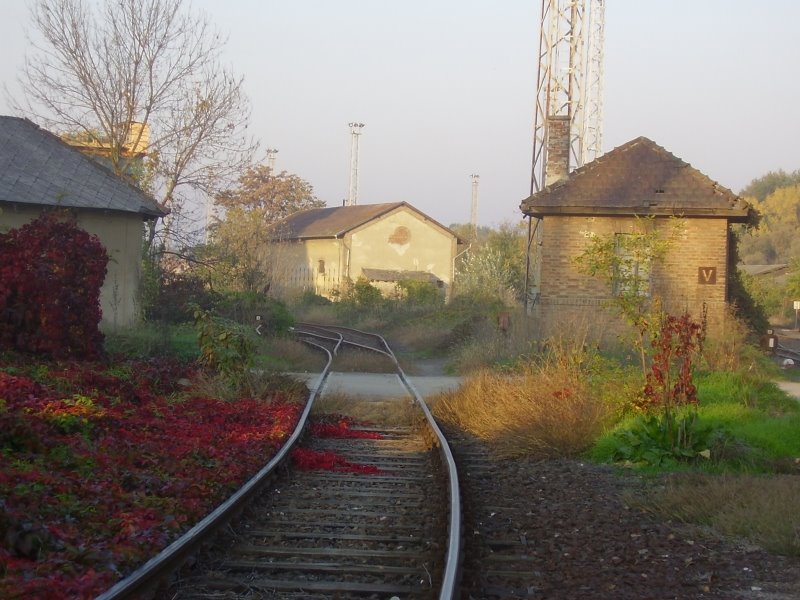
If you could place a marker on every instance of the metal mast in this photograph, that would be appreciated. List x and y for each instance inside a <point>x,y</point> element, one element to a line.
<point>569,83</point>
<point>569,80</point>
<point>473,221</point>
<point>593,122</point>
<point>355,133</point>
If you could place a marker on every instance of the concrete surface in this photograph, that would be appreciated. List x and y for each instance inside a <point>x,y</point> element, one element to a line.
<point>790,387</point>
<point>380,386</point>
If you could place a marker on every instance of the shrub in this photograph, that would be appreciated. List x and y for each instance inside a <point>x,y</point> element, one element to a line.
<point>223,345</point>
<point>51,272</point>
<point>175,296</point>
<point>363,294</point>
<point>419,293</point>
<point>243,307</point>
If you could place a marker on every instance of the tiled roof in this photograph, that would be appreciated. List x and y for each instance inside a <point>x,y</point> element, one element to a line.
<point>756,270</point>
<point>639,178</point>
<point>334,222</point>
<point>393,275</point>
<point>37,168</point>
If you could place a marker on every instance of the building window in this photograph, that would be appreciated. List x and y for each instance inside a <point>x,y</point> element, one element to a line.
<point>321,267</point>
<point>631,265</point>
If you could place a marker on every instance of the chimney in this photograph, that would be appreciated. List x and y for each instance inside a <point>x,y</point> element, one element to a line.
<point>557,166</point>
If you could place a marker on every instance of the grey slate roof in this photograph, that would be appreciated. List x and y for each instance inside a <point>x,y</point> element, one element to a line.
<point>395,275</point>
<point>321,223</point>
<point>641,178</point>
<point>37,168</point>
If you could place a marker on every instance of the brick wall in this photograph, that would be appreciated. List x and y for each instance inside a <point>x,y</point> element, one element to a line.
<point>693,273</point>
<point>557,165</point>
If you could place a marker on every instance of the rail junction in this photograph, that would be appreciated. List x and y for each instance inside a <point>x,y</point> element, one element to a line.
<point>391,529</point>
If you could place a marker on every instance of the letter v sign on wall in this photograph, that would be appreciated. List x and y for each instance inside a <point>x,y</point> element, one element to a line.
<point>706,275</point>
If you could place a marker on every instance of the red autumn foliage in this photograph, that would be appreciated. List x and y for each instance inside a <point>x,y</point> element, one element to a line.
<point>307,459</point>
<point>51,272</point>
<point>670,382</point>
<point>342,428</point>
<point>102,467</point>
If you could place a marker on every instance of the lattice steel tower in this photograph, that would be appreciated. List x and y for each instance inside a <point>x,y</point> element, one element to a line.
<point>569,80</point>
<point>569,84</point>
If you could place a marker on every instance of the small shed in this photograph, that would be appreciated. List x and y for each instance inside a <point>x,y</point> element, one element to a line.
<point>609,196</point>
<point>324,249</point>
<point>40,172</point>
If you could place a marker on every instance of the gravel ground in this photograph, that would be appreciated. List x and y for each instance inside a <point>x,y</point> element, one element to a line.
<point>573,536</point>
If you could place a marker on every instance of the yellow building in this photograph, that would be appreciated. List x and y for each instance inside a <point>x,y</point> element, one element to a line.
<point>323,249</point>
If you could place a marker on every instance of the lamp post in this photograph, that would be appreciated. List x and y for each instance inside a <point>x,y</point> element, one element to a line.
<point>271,152</point>
<point>473,219</point>
<point>355,133</point>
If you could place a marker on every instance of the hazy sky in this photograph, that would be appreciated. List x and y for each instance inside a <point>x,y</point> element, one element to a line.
<point>446,89</point>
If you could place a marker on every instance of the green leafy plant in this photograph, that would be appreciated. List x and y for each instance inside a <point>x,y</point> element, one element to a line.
<point>419,293</point>
<point>363,294</point>
<point>625,262</point>
<point>661,440</point>
<point>224,347</point>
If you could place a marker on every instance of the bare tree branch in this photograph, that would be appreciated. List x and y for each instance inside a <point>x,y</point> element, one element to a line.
<point>97,71</point>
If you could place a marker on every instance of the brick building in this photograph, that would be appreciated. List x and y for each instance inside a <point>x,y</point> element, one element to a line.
<point>609,197</point>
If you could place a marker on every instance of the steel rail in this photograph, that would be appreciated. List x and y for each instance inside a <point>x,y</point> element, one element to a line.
<point>173,556</point>
<point>450,579</point>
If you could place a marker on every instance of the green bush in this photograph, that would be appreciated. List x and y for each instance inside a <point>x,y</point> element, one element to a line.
<point>243,307</point>
<point>224,346</point>
<point>364,295</point>
<point>420,293</point>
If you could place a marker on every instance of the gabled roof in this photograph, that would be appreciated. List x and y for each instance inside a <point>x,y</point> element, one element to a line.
<point>321,223</point>
<point>639,178</point>
<point>37,168</point>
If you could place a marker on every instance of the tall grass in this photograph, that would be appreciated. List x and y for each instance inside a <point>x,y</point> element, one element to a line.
<point>546,409</point>
<point>154,339</point>
<point>761,509</point>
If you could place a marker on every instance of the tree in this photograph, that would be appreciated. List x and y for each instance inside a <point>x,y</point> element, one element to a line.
<point>495,262</point>
<point>105,71</point>
<point>763,186</point>
<point>624,262</point>
<point>240,248</point>
<point>776,240</point>
<point>274,197</point>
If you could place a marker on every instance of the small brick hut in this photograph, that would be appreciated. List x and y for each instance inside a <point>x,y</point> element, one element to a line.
<point>609,196</point>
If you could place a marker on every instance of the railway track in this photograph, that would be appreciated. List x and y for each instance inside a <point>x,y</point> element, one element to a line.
<point>383,522</point>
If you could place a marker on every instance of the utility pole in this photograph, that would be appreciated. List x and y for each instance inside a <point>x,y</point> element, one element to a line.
<point>473,221</point>
<point>355,133</point>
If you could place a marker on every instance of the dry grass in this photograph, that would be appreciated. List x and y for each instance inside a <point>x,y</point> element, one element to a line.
<point>727,348</point>
<point>390,413</point>
<point>295,353</point>
<point>362,361</point>
<point>420,335</point>
<point>547,411</point>
<point>252,384</point>
<point>761,509</point>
